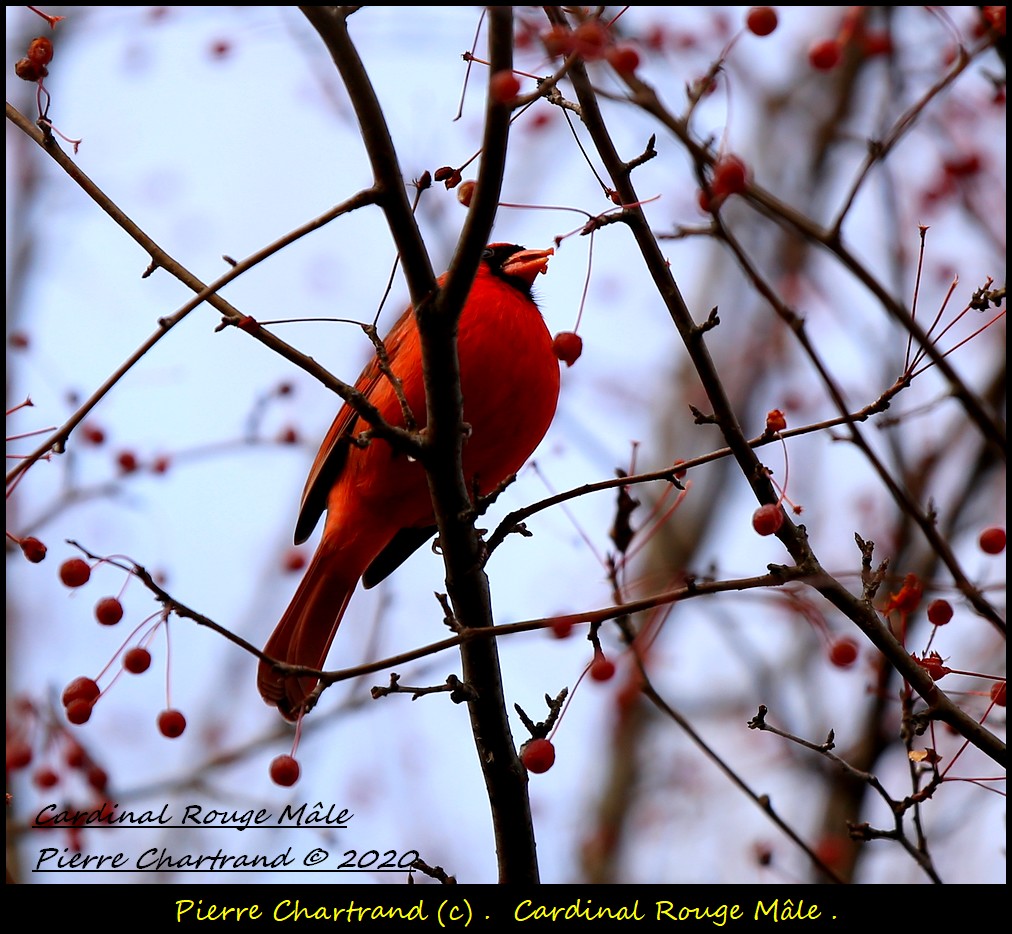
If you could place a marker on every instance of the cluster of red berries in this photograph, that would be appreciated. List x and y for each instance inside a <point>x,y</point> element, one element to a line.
<point>768,518</point>
<point>79,698</point>
<point>58,756</point>
<point>538,754</point>
<point>33,66</point>
<point>75,758</point>
<point>126,461</point>
<point>592,41</point>
<point>826,54</point>
<point>76,572</point>
<point>80,695</point>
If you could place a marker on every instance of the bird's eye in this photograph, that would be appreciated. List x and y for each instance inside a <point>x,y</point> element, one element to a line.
<point>487,253</point>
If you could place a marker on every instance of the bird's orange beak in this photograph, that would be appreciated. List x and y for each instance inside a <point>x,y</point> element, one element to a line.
<point>526,264</point>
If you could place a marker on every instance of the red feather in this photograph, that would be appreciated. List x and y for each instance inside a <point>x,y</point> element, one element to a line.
<point>376,498</point>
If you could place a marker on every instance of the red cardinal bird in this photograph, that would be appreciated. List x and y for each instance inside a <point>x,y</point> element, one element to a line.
<point>376,498</point>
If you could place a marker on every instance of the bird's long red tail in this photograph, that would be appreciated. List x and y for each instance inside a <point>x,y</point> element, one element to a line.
<point>304,634</point>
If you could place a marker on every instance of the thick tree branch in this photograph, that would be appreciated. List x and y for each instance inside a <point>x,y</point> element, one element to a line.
<point>437,313</point>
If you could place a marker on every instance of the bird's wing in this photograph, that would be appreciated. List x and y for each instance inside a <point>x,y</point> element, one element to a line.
<point>402,546</point>
<point>333,453</point>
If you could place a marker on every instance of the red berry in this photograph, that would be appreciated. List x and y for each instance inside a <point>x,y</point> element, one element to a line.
<point>127,461</point>
<point>74,572</point>
<point>655,37</point>
<point>33,549</point>
<point>843,653</point>
<point>602,668</point>
<point>831,850</point>
<point>285,771</point>
<point>19,755</point>
<point>591,39</point>
<point>775,420</point>
<point>503,86</point>
<point>80,689</point>
<point>98,778</point>
<point>465,192</point>
<point>27,70</point>
<point>92,434</point>
<point>137,660</point>
<point>171,723</point>
<point>876,43</point>
<point>221,48</point>
<point>767,519</point>
<point>730,177</point>
<point>761,20</point>
<point>558,41</point>
<point>562,628</point>
<point>40,50</point>
<point>161,464</point>
<point>624,59</point>
<point>998,693</point>
<point>962,166</point>
<point>295,560</point>
<point>568,346</point>
<point>992,541</point>
<point>108,611</point>
<point>538,756</point>
<point>45,778</point>
<point>18,340</point>
<point>825,55</point>
<point>79,711</point>
<point>995,18</point>
<point>288,436</point>
<point>934,666</point>
<point>75,756</point>
<point>939,612</point>
<point>710,201</point>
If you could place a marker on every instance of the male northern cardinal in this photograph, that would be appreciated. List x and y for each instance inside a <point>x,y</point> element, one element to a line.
<point>377,498</point>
